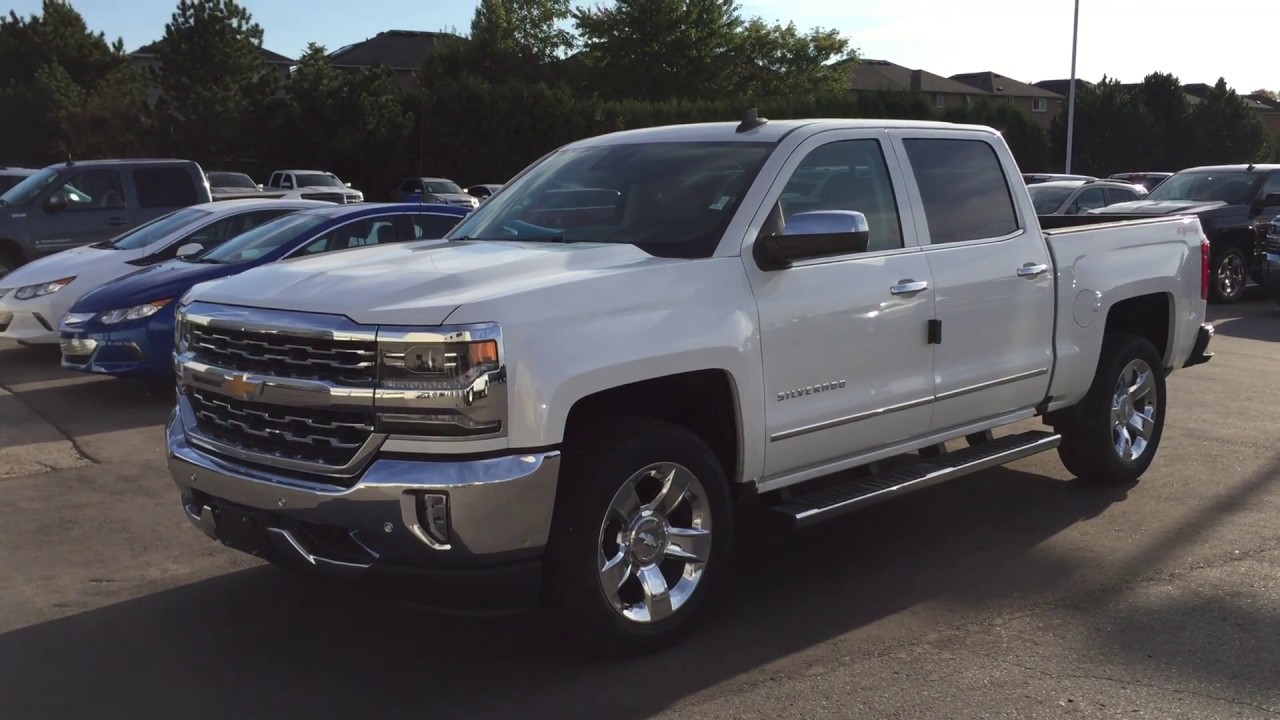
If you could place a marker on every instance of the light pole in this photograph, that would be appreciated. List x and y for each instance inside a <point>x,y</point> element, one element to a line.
<point>1071,89</point>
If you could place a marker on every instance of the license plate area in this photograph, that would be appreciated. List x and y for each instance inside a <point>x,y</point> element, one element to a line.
<point>242,530</point>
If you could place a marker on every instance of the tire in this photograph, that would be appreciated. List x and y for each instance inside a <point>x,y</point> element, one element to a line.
<point>1230,273</point>
<point>1092,444</point>
<point>592,515</point>
<point>8,263</point>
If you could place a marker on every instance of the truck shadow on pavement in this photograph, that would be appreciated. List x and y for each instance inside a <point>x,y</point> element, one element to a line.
<point>263,643</point>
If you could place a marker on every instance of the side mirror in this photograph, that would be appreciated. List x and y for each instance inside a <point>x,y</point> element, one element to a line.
<point>260,186</point>
<point>56,203</point>
<point>820,233</point>
<point>347,184</point>
<point>190,249</point>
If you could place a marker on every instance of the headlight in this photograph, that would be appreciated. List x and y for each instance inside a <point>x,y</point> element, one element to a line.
<point>447,382</point>
<point>49,288</point>
<point>137,312</point>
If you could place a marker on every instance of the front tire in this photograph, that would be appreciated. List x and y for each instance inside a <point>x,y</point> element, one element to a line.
<point>1116,431</point>
<point>1230,274</point>
<point>642,537</point>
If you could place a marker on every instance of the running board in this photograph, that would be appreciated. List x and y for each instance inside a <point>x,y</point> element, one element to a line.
<point>805,509</point>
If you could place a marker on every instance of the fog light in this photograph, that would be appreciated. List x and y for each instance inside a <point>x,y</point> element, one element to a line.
<point>433,516</point>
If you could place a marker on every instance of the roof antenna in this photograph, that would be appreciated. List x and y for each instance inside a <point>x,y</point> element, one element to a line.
<point>751,121</point>
<point>70,162</point>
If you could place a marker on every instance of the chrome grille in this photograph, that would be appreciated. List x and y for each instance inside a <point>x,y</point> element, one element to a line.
<point>325,437</point>
<point>348,362</point>
<point>333,197</point>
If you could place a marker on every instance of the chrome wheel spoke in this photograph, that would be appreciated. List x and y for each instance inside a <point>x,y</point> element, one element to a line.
<point>675,484</point>
<point>616,571</point>
<point>1142,425</point>
<point>689,544</point>
<point>626,503</point>
<point>1142,386</point>
<point>657,597</point>
<point>1124,444</point>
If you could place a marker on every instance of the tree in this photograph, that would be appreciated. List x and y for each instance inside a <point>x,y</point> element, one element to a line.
<point>212,77</point>
<point>1230,130</point>
<point>510,41</point>
<point>779,60</point>
<point>1170,137</point>
<point>1270,94</point>
<point>1110,130</point>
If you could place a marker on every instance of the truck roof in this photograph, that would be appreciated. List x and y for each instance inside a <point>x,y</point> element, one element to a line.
<point>120,161</point>
<point>1241,167</point>
<point>772,131</point>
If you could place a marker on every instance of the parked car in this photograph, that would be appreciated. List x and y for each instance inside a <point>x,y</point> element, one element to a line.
<point>231,185</point>
<point>714,334</point>
<point>10,176</point>
<point>125,327</point>
<point>434,190</point>
<point>77,203</point>
<point>1148,180</point>
<point>316,185</point>
<point>1234,204</point>
<point>1271,246</point>
<point>34,297</point>
<point>1035,178</point>
<point>483,191</point>
<point>1073,197</point>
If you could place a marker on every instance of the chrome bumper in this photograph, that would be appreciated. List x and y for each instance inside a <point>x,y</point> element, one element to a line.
<point>401,512</point>
<point>1271,278</point>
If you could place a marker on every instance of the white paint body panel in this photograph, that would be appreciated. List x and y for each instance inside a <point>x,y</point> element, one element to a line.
<point>582,318</point>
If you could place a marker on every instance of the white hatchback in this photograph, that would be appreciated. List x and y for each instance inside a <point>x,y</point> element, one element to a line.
<point>34,297</point>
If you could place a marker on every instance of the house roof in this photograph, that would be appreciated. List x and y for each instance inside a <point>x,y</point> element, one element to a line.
<point>884,75</point>
<point>396,49</point>
<point>1261,99</point>
<point>1202,90</point>
<point>998,84</point>
<point>153,48</point>
<point>1063,86</point>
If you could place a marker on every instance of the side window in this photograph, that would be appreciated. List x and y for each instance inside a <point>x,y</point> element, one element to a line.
<point>93,190</point>
<point>963,188</point>
<point>249,221</point>
<point>430,226</point>
<point>1090,199</point>
<point>1272,185</point>
<point>409,186</point>
<point>370,231</point>
<point>1116,195</point>
<point>274,181</point>
<point>286,181</point>
<point>164,187</point>
<point>847,175</point>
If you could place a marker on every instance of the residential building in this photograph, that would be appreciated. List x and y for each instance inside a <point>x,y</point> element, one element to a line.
<point>1268,110</point>
<point>1042,105</point>
<point>873,75</point>
<point>148,56</point>
<point>404,51</point>
<point>1063,86</point>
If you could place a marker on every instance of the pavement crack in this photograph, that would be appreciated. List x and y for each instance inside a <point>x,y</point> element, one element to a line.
<point>1117,680</point>
<point>75,444</point>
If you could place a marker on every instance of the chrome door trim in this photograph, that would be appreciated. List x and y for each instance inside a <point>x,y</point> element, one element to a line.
<point>836,422</point>
<point>991,383</point>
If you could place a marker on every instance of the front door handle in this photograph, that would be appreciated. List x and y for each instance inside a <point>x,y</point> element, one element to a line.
<point>908,287</point>
<point>117,222</point>
<point>1031,270</point>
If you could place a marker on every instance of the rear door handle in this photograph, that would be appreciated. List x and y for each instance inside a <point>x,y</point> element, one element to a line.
<point>117,222</point>
<point>1031,270</point>
<point>907,287</point>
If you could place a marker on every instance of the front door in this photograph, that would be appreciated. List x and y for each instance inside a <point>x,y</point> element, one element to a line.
<point>992,274</point>
<point>847,363</point>
<point>95,210</point>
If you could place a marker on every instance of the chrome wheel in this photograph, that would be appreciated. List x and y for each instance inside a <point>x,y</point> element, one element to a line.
<point>654,542</point>
<point>1133,410</point>
<point>1231,275</point>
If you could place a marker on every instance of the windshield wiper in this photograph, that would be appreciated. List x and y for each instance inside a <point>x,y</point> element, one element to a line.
<point>104,245</point>
<point>204,260</point>
<point>540,238</point>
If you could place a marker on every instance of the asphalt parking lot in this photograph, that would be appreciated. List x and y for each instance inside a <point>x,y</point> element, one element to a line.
<point>1013,593</point>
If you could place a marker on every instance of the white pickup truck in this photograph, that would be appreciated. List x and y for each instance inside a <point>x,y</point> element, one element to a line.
<point>564,400</point>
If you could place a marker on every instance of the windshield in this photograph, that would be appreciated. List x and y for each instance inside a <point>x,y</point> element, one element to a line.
<point>317,180</point>
<point>671,199</point>
<point>443,187</point>
<point>1233,187</point>
<point>231,180</point>
<point>1048,199</point>
<point>144,235</point>
<point>261,240</point>
<point>23,192</point>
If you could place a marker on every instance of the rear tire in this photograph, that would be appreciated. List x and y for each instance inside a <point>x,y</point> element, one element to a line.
<point>1230,275</point>
<point>642,535</point>
<point>1116,430</point>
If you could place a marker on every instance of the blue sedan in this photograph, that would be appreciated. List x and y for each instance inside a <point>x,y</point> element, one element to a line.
<point>125,327</point>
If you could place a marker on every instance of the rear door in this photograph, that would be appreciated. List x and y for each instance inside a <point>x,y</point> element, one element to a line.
<point>993,278</point>
<point>161,189</point>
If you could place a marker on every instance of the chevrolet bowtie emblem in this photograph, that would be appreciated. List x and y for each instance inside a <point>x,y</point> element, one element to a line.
<point>240,387</point>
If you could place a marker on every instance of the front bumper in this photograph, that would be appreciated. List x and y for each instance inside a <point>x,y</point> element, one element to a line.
<point>483,556</point>
<point>134,351</point>
<point>1200,350</point>
<point>1271,278</point>
<point>30,321</point>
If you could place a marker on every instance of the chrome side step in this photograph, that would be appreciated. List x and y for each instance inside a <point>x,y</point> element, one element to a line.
<point>806,509</point>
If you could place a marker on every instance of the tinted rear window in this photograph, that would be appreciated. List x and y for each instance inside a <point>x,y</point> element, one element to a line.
<point>963,188</point>
<point>164,187</point>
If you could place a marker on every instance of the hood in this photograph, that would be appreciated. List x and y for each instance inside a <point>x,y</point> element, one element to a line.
<point>68,263</point>
<point>329,188</point>
<point>420,283</point>
<point>1159,207</point>
<point>453,197</point>
<point>170,279</point>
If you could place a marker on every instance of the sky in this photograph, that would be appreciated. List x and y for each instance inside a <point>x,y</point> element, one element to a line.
<point>1028,40</point>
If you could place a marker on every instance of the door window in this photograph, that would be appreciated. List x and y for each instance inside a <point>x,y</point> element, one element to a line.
<point>429,226</point>
<point>963,188</point>
<point>1272,185</point>
<point>1090,199</point>
<point>847,175</point>
<point>1119,195</point>
<point>93,190</point>
<point>164,187</point>
<point>370,231</point>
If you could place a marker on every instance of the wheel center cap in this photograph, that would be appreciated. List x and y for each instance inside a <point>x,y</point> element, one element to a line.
<point>648,539</point>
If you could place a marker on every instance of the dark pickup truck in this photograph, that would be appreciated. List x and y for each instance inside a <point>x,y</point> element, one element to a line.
<point>76,203</point>
<point>1235,204</point>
